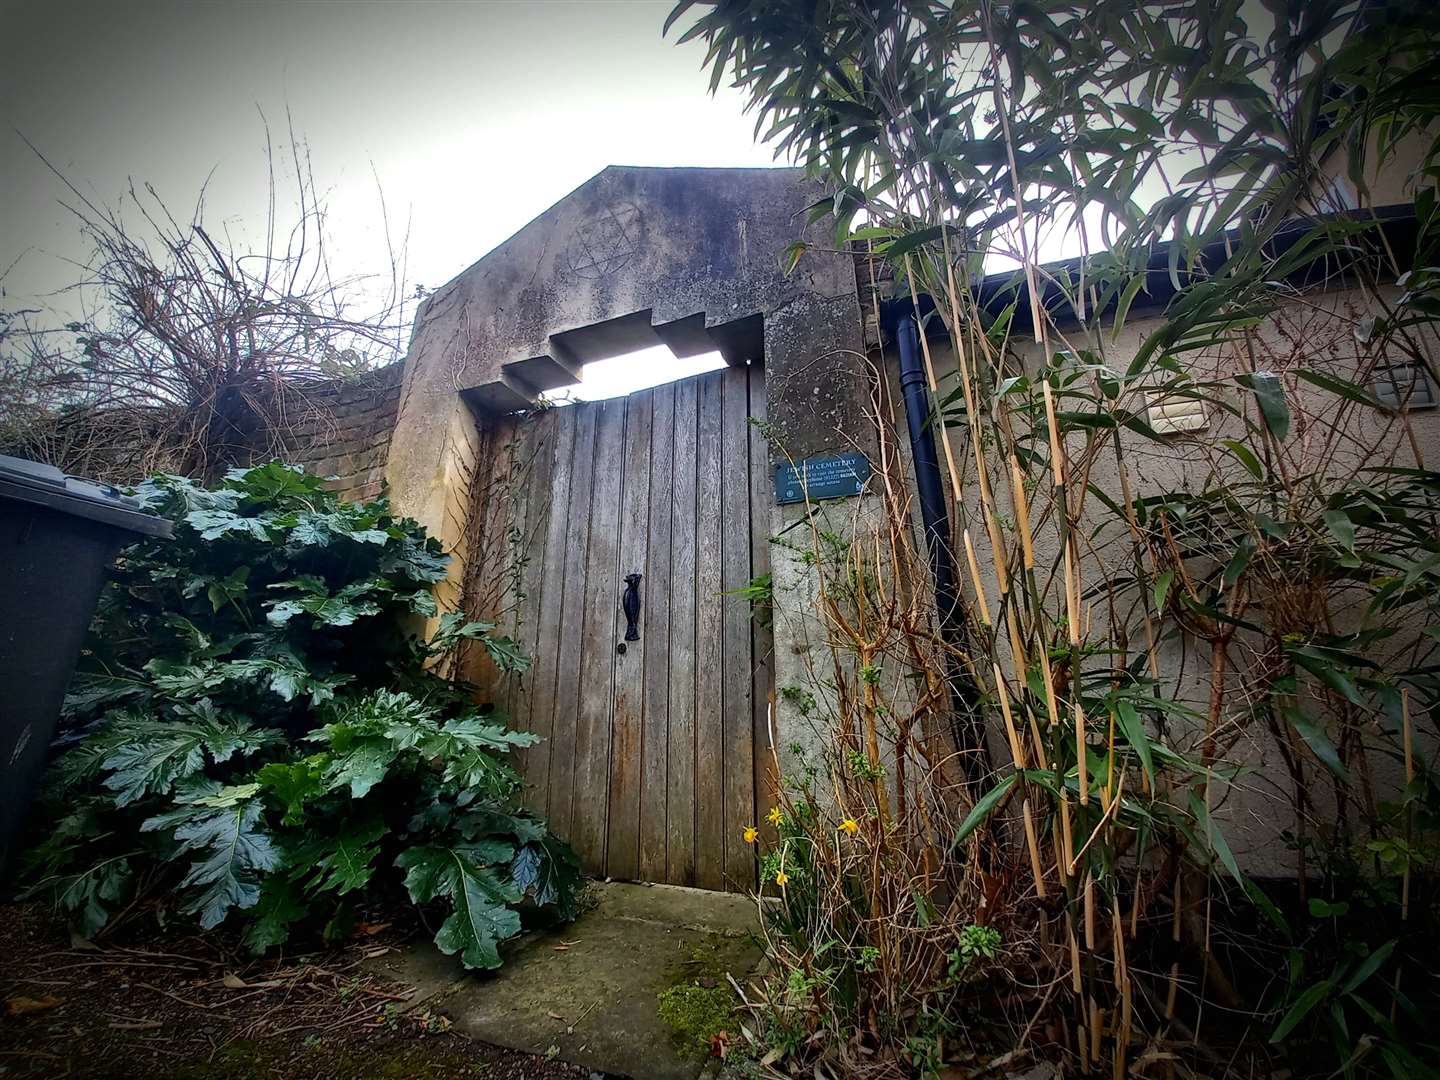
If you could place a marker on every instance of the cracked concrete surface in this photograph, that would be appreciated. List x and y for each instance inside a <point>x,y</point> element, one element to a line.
<point>589,989</point>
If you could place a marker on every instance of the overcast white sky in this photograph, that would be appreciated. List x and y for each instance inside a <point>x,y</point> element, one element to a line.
<point>476,115</point>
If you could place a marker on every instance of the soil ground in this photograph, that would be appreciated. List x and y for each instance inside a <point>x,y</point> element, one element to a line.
<point>144,1004</point>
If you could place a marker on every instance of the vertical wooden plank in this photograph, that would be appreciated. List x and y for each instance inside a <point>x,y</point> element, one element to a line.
<point>762,636</point>
<point>535,471</point>
<point>737,714</point>
<point>622,850</point>
<point>574,542</point>
<point>709,687</point>
<point>657,594</point>
<point>680,771</point>
<point>599,615</point>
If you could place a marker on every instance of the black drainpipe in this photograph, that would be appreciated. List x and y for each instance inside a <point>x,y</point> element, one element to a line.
<point>899,319</point>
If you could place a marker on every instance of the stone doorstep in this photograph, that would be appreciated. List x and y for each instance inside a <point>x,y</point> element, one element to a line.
<point>589,989</point>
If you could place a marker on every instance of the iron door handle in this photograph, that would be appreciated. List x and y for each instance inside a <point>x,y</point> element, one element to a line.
<point>630,604</point>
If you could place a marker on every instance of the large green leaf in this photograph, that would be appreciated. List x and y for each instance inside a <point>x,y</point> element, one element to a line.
<point>329,610</point>
<point>90,691</point>
<point>221,827</point>
<point>548,871</point>
<point>348,860</point>
<point>282,903</point>
<point>91,895</point>
<point>295,783</point>
<point>360,767</point>
<point>417,561</point>
<point>495,821</point>
<point>150,756</point>
<point>213,524</point>
<point>465,875</point>
<point>187,680</point>
<point>287,676</point>
<point>480,920</point>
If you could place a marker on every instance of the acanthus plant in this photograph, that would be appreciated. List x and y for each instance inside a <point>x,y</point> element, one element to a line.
<point>255,733</point>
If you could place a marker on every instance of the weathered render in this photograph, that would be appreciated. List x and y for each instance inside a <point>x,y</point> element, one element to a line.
<point>692,258</point>
<point>632,258</point>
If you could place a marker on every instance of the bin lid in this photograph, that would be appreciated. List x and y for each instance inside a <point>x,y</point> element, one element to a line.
<point>45,485</point>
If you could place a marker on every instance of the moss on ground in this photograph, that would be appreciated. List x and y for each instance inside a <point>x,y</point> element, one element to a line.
<point>695,1014</point>
<point>700,1005</point>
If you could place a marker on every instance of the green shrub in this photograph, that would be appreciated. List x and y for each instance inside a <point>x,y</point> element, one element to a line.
<point>254,733</point>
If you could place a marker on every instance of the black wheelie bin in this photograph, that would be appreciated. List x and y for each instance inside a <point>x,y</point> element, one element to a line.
<point>58,537</point>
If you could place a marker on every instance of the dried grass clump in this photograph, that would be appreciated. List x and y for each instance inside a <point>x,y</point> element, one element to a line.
<point>180,350</point>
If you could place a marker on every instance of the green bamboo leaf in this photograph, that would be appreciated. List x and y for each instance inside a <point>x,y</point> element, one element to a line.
<point>1372,964</point>
<point>903,245</point>
<point>982,810</point>
<point>1301,1009</point>
<point>1245,456</point>
<point>1315,738</point>
<point>1127,298</point>
<point>1162,588</point>
<point>1270,396</point>
<point>1327,668</point>
<point>1341,527</point>
<point>1342,387</point>
<point>1133,727</point>
<point>1215,838</point>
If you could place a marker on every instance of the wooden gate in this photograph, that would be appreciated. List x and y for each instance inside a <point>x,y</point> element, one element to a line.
<point>654,749</point>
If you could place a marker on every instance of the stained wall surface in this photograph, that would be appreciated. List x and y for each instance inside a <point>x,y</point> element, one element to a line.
<point>1330,438</point>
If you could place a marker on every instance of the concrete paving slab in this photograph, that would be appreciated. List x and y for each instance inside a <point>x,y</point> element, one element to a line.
<point>589,989</point>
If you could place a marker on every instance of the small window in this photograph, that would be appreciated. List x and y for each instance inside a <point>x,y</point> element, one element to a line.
<point>1404,385</point>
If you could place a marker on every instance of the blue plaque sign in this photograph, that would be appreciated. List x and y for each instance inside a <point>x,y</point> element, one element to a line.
<point>831,476</point>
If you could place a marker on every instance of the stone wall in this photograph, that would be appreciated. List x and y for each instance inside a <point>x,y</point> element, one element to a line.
<point>345,434</point>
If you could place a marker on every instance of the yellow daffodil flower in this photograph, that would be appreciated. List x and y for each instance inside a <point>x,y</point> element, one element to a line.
<point>781,878</point>
<point>751,834</point>
<point>850,826</point>
<point>775,817</point>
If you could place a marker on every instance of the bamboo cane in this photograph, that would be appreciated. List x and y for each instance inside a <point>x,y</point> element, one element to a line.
<point>1034,846</point>
<point>1075,983</point>
<point>1122,985</point>
<point>1017,751</point>
<point>1088,897</point>
<point>1174,990</point>
<point>1409,826</point>
<point>1097,1030</point>
<point>975,579</point>
<point>1022,513</point>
